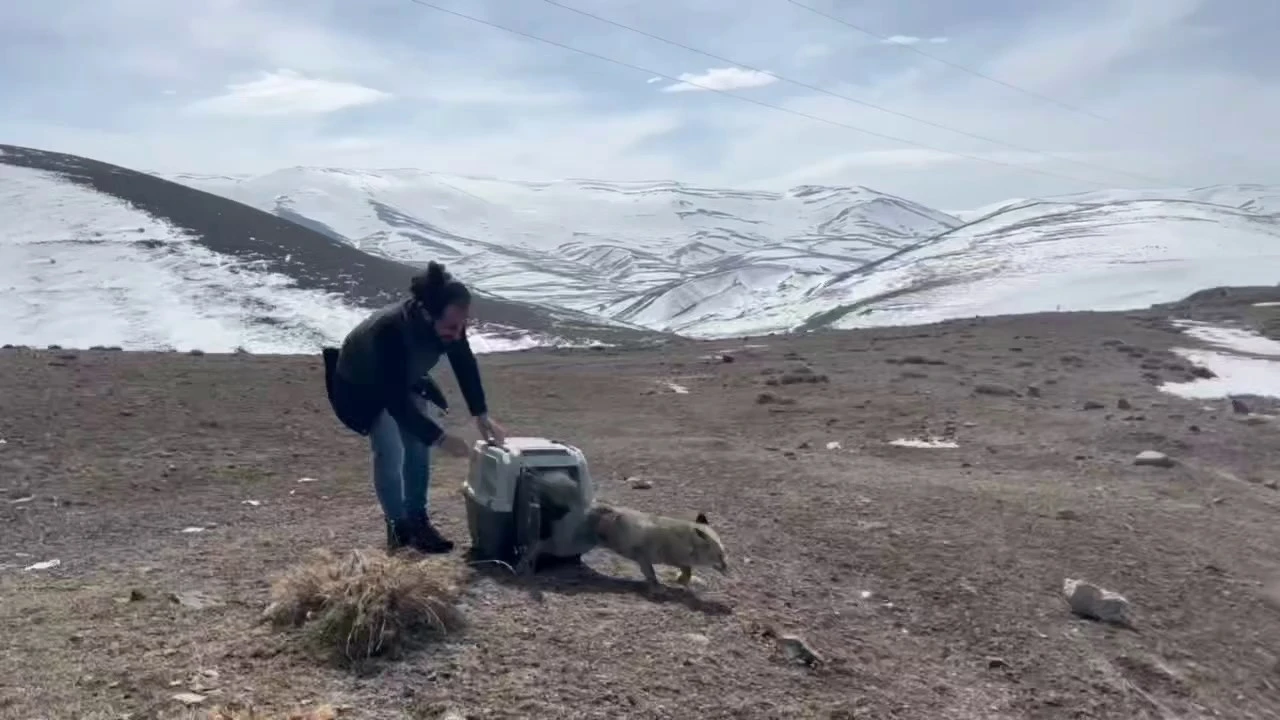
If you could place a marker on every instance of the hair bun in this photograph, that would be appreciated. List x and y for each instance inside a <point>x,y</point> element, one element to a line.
<point>436,275</point>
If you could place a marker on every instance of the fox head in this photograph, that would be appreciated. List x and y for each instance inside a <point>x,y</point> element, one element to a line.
<point>707,548</point>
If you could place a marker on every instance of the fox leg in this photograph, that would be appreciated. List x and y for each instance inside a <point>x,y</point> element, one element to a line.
<point>650,576</point>
<point>686,574</point>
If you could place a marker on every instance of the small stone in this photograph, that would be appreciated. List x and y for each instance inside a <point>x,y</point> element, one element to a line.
<point>639,483</point>
<point>1093,405</point>
<point>1239,407</point>
<point>1152,458</point>
<point>1124,404</point>
<point>1033,391</point>
<point>195,600</point>
<point>1067,514</point>
<point>189,698</point>
<point>1090,601</point>
<point>797,650</point>
<point>995,389</point>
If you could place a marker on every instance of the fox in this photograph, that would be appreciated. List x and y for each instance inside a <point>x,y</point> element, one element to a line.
<point>649,539</point>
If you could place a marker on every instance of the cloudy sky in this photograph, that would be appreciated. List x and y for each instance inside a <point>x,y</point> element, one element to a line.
<point>1176,92</point>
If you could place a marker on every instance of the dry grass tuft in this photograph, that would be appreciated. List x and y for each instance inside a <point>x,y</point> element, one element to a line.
<point>364,605</point>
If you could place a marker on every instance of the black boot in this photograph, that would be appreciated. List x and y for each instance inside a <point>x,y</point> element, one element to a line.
<point>398,535</point>
<point>424,537</point>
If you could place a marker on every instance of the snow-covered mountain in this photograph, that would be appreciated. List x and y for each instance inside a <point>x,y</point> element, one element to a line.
<point>663,255</point>
<point>92,253</point>
<point>714,262</point>
<point>95,254</point>
<point>1098,251</point>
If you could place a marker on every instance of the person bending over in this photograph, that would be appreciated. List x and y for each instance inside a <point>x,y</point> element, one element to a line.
<point>378,384</point>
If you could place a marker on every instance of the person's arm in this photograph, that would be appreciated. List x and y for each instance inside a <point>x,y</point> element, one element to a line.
<point>467,371</point>
<point>396,391</point>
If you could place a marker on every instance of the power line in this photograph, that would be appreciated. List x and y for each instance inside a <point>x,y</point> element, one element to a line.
<point>753,101</point>
<point>957,66</point>
<point>831,93</point>
<point>979,74</point>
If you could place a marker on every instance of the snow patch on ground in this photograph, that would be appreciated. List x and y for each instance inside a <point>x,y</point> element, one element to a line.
<point>1238,368</point>
<point>925,443</point>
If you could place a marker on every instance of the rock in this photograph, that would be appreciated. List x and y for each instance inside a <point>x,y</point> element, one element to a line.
<point>1033,391</point>
<point>1092,405</point>
<point>697,639</point>
<point>195,600</point>
<point>189,698</point>
<point>1090,601</point>
<point>916,360</point>
<point>994,389</point>
<point>726,358</point>
<point>1152,458</point>
<point>1067,514</point>
<point>639,483</point>
<point>1123,404</point>
<point>1204,373</point>
<point>768,398</point>
<point>1239,407</point>
<point>797,650</point>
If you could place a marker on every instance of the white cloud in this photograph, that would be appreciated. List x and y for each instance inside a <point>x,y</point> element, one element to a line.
<point>913,40</point>
<point>730,78</point>
<point>287,92</point>
<point>1190,90</point>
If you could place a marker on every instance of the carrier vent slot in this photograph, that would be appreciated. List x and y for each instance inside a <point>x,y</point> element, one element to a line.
<point>545,452</point>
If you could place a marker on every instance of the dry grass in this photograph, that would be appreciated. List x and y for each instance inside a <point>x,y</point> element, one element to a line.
<point>367,604</point>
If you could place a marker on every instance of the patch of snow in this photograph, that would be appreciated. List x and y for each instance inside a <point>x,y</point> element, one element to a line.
<point>1267,304</point>
<point>1239,371</point>
<point>926,443</point>
<point>45,565</point>
<point>1236,375</point>
<point>1237,340</point>
<point>677,389</point>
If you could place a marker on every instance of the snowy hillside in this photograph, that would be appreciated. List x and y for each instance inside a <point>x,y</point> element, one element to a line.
<point>92,254</point>
<point>662,255</point>
<point>96,254</point>
<point>1104,251</point>
<point>717,262</point>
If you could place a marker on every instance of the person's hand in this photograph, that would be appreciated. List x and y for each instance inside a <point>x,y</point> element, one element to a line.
<point>454,445</point>
<point>490,430</point>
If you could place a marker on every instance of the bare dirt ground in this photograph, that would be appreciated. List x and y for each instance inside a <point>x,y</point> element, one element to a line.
<point>930,579</point>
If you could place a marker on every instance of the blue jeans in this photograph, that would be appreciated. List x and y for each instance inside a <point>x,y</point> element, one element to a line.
<point>401,469</point>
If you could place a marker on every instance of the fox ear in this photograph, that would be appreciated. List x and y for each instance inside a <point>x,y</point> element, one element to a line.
<point>701,519</point>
